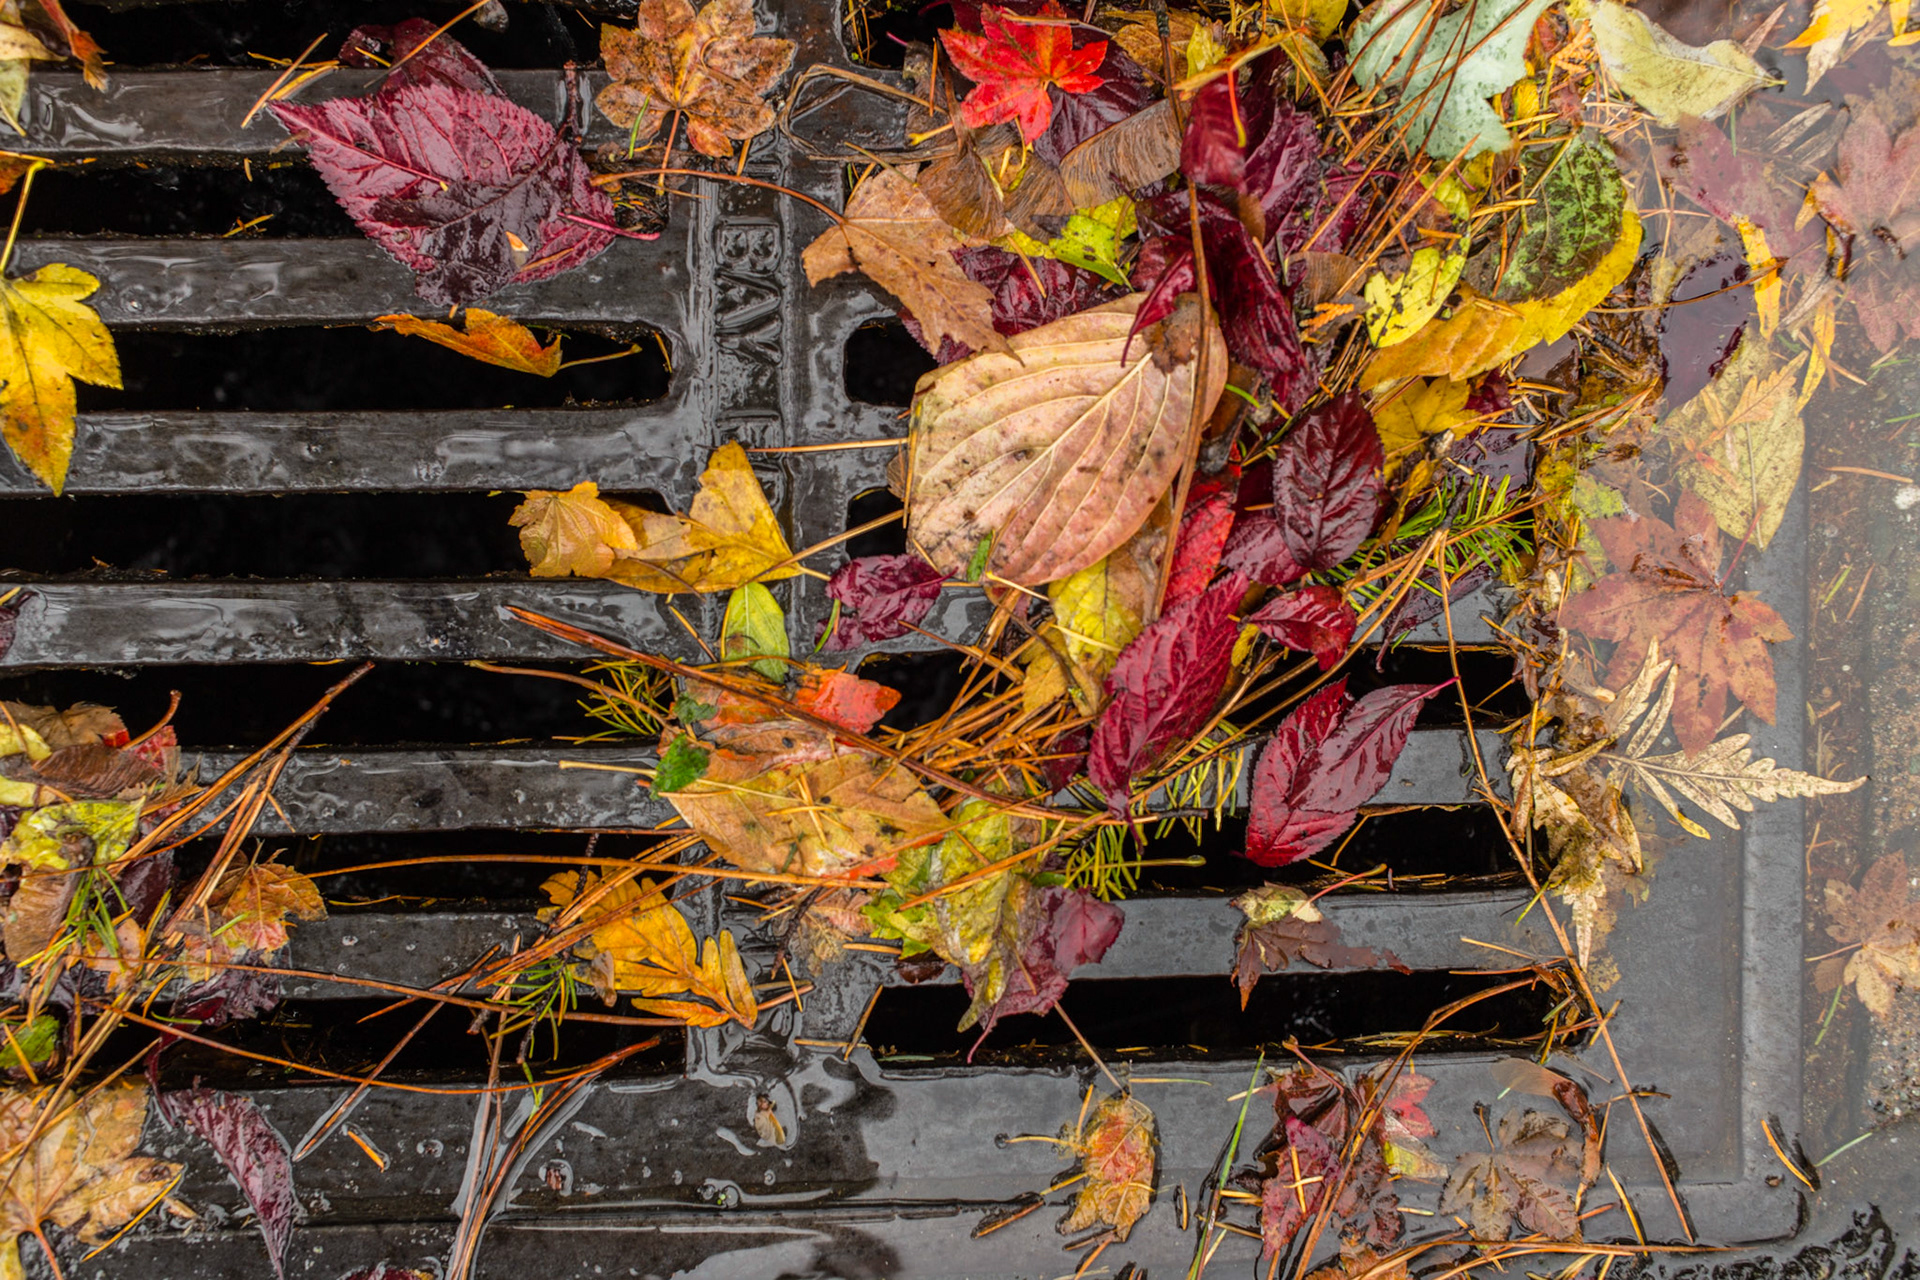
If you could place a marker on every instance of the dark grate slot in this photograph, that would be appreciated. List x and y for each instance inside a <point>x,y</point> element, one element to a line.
<point>167,200</point>
<point>332,1035</point>
<point>1464,845</point>
<point>883,363</point>
<point>927,683</point>
<point>306,535</point>
<point>219,34</point>
<point>441,886</point>
<point>396,702</point>
<point>887,540</point>
<point>1200,1017</point>
<point>307,369</point>
<point>882,29</point>
<point>1486,674</point>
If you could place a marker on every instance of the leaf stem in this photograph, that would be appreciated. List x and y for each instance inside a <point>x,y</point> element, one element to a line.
<point>19,211</point>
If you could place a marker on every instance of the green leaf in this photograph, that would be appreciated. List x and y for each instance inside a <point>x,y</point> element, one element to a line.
<point>959,927</point>
<point>690,710</point>
<point>31,1044</point>
<point>45,838</point>
<point>681,765</point>
<point>1669,77</point>
<point>1578,202</point>
<point>755,627</point>
<point>1090,240</point>
<point>1448,64</point>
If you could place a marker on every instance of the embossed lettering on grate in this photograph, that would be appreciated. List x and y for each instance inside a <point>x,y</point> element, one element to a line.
<point>209,587</point>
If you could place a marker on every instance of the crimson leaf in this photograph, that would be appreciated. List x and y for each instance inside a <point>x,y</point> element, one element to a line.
<point>1030,292</point>
<point>1163,687</point>
<point>1328,758</point>
<point>1315,619</point>
<point>470,191</point>
<point>1271,946</point>
<point>445,61</point>
<point>885,594</point>
<point>1326,483</point>
<point>1203,536</point>
<point>254,1153</point>
<point>1060,930</point>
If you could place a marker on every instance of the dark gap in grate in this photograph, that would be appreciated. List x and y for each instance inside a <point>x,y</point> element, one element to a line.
<point>1487,675</point>
<point>883,362</point>
<point>329,1034</point>
<point>185,200</point>
<point>1200,1017</point>
<point>536,35</point>
<point>1460,844</point>
<point>881,29</point>
<point>928,684</point>
<point>353,368</point>
<point>305,535</point>
<point>887,540</point>
<point>439,886</point>
<point>242,704</point>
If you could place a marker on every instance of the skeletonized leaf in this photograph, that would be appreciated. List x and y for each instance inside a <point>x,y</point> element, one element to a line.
<point>1057,451</point>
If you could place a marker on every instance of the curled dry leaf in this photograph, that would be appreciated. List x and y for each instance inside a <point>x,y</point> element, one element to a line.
<point>893,234</point>
<point>80,1174</point>
<point>709,66</point>
<point>1123,158</point>
<point>1056,452</point>
<point>51,337</point>
<point>488,337</point>
<point>1116,1146</point>
<point>642,945</point>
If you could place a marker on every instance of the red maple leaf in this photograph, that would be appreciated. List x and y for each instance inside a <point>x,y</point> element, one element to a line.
<point>1666,586</point>
<point>1012,63</point>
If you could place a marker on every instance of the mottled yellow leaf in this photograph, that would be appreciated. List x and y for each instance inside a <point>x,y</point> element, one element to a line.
<point>1421,409</point>
<point>1397,306</point>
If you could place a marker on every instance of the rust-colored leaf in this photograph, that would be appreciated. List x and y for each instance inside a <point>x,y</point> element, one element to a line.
<point>709,66</point>
<point>489,337</point>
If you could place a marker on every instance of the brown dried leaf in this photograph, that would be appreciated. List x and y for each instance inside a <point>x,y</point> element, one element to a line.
<point>256,901</point>
<point>1137,152</point>
<point>708,66</point>
<point>1882,917</point>
<point>1116,1150</point>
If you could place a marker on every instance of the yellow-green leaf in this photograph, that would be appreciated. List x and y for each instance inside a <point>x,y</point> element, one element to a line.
<point>1397,306</point>
<point>755,627</point>
<point>1669,77</point>
<point>54,837</point>
<point>1738,443</point>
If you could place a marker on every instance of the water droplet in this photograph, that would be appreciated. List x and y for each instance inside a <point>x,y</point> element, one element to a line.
<point>431,1147</point>
<point>349,940</point>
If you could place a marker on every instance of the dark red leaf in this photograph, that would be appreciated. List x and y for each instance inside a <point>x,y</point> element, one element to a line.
<point>1214,148</point>
<point>1272,946</point>
<point>1030,292</point>
<point>1289,1200</point>
<point>880,596</point>
<point>1326,483</point>
<point>1203,536</point>
<point>446,61</point>
<point>254,1153</point>
<point>1314,619</point>
<point>1163,687</point>
<point>470,191</point>
<point>1123,92</point>
<point>1258,548</point>
<point>1250,139</point>
<point>1065,757</point>
<point>1491,397</point>
<point>1328,758</point>
<point>387,1271</point>
<point>1060,930</point>
<point>232,995</point>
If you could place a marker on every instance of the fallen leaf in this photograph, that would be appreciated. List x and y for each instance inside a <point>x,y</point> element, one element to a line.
<point>880,598</point>
<point>708,66</point>
<point>847,815</point>
<point>81,833</point>
<point>1738,442</point>
<point>1882,919</point>
<point>488,337</point>
<point>29,1044</point>
<point>1524,1179</point>
<point>1399,305</point>
<point>1361,1263</point>
<point>1116,1147</point>
<point>1332,755</point>
<point>1014,63</point>
<point>1445,67</point>
<point>1123,158</point>
<point>253,1153</point>
<point>51,338</point>
<point>1163,688</point>
<point>754,630</point>
<point>571,533</point>
<point>1665,587</point>
<point>1482,334</point>
<point>1406,1126</point>
<point>1057,451</point>
<point>898,239</point>
<point>80,1173</point>
<point>1834,22</point>
<point>1055,931</point>
<point>416,51</point>
<point>963,925</point>
<point>1314,619</point>
<point>1101,608</point>
<point>1302,1170</point>
<point>729,537</point>
<point>844,698</point>
<point>683,763</point>
<point>645,947</point>
<point>1204,531</point>
<point>1421,408</point>
<point>1562,237</point>
<point>1327,487</point>
<point>1090,240</point>
<point>470,191</point>
<point>255,902</point>
<point>1282,926</point>
<point>1872,196</point>
<point>1669,77</point>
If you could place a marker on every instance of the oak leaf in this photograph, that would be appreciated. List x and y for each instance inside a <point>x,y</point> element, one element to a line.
<point>1013,63</point>
<point>1666,588</point>
<point>50,339</point>
<point>1882,919</point>
<point>1056,452</point>
<point>256,901</point>
<point>642,944</point>
<point>708,65</point>
<point>574,532</point>
<point>80,1173</point>
<point>1116,1146</point>
<point>894,235</point>
<point>488,337</point>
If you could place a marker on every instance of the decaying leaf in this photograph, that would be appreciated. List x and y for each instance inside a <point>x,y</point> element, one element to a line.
<point>1739,442</point>
<point>1526,1178</point>
<point>81,1173</point>
<point>51,338</point>
<point>1834,22</point>
<point>256,901</point>
<point>894,235</point>
<point>708,66</point>
<point>1312,1159</point>
<point>645,947</point>
<point>488,337</point>
<point>1873,196</point>
<point>1449,64</point>
<point>1283,925</point>
<point>1122,158</point>
<point>1116,1146</point>
<point>1551,245</point>
<point>1669,77</point>
<point>1882,919</point>
<point>1056,452</point>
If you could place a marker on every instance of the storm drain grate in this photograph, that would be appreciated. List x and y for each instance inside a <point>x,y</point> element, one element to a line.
<point>659,1170</point>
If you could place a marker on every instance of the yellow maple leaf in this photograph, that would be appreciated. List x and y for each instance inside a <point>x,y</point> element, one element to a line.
<point>575,532</point>
<point>51,338</point>
<point>1482,334</point>
<point>488,337</point>
<point>645,947</point>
